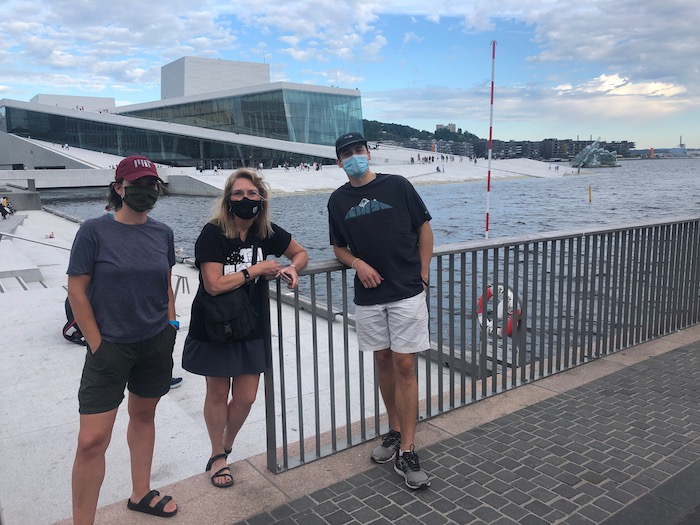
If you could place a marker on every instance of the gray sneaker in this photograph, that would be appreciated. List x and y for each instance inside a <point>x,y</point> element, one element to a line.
<point>386,451</point>
<point>408,465</point>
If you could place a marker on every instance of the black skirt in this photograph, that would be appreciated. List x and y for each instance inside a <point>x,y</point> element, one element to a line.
<point>227,360</point>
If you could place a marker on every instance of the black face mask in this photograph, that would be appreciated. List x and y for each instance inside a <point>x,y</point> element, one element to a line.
<point>244,208</point>
<point>140,198</point>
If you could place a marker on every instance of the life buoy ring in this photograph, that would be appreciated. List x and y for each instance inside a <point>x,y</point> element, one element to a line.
<point>504,309</point>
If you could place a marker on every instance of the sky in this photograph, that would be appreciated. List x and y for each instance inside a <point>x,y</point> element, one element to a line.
<point>614,70</point>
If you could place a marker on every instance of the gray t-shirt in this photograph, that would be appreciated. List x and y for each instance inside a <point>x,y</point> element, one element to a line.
<point>129,266</point>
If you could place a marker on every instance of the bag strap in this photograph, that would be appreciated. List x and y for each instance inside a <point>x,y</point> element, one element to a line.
<point>256,242</point>
<point>251,285</point>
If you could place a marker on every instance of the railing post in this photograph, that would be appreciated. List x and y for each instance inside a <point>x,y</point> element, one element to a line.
<point>269,387</point>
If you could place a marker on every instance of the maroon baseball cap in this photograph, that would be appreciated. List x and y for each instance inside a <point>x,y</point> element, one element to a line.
<point>135,167</point>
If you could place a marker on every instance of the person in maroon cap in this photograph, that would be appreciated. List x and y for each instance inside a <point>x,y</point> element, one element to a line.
<point>120,292</point>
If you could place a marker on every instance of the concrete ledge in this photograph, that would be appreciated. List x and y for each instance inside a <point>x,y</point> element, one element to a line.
<point>15,264</point>
<point>11,224</point>
<point>186,185</point>
<point>23,198</point>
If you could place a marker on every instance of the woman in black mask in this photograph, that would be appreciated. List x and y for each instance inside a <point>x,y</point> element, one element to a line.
<point>119,288</point>
<point>230,253</point>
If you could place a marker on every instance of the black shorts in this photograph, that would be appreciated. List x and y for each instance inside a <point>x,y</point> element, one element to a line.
<point>145,367</point>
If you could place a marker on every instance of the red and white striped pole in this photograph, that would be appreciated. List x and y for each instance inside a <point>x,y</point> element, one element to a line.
<point>488,178</point>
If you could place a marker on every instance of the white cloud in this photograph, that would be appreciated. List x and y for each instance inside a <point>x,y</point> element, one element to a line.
<point>615,84</point>
<point>372,50</point>
<point>303,55</point>
<point>581,54</point>
<point>335,77</point>
<point>411,37</point>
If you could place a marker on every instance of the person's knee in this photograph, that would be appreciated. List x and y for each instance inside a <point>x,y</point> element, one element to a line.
<point>246,397</point>
<point>245,392</point>
<point>142,410</point>
<point>92,444</point>
<point>383,358</point>
<point>142,417</point>
<point>404,366</point>
<point>217,392</point>
<point>217,397</point>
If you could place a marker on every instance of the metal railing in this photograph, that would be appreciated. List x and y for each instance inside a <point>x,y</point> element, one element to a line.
<point>21,238</point>
<point>566,298</point>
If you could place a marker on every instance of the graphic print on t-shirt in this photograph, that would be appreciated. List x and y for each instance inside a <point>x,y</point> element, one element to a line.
<point>365,207</point>
<point>239,260</point>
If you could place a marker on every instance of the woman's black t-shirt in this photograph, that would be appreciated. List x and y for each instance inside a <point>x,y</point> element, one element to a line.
<point>235,255</point>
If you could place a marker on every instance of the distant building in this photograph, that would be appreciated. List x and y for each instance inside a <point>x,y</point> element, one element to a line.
<point>195,75</point>
<point>567,149</point>
<point>547,149</point>
<point>451,127</point>
<point>213,112</point>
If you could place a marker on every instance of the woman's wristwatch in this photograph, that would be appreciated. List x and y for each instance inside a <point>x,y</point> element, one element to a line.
<point>246,275</point>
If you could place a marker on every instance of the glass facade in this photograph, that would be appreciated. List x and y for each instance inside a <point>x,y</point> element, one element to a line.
<point>284,114</point>
<point>289,115</point>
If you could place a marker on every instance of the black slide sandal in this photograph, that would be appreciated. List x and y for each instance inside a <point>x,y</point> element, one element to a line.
<point>145,507</point>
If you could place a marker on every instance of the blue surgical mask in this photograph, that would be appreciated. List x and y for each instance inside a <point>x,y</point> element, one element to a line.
<point>356,166</point>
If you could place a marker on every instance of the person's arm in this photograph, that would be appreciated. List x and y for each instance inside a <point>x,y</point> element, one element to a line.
<point>82,310</point>
<point>345,256</point>
<point>214,280</point>
<point>425,249</point>
<point>216,283</point>
<point>298,257</point>
<point>172,315</point>
<point>369,277</point>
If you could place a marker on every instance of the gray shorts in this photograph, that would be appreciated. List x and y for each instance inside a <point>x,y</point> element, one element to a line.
<point>145,367</point>
<point>399,325</point>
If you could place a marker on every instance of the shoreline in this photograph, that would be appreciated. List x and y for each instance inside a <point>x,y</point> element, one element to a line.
<point>284,182</point>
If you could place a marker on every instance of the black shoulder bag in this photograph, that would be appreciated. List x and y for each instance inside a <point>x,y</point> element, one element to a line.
<point>230,316</point>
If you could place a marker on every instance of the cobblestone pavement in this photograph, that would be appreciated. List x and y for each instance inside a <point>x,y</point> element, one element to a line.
<point>621,450</point>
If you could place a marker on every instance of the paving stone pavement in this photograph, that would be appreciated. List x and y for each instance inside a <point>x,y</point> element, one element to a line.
<point>621,450</point>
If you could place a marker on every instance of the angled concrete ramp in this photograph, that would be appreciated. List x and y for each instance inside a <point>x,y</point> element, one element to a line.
<point>16,269</point>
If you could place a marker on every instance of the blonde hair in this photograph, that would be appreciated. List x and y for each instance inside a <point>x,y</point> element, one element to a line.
<point>223,218</point>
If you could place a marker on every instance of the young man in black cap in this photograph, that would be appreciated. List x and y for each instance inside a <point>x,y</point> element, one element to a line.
<point>380,228</point>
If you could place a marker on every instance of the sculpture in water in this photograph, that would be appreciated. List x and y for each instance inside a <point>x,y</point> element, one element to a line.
<point>593,156</point>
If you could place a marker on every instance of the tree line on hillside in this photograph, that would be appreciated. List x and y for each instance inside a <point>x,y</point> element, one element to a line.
<point>376,131</point>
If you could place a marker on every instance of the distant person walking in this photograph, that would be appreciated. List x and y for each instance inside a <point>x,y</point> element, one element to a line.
<point>120,292</point>
<point>380,227</point>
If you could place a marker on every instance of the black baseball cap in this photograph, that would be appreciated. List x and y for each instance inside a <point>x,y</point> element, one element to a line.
<point>347,139</point>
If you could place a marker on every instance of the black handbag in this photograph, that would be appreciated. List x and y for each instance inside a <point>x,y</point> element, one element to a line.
<point>230,316</point>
